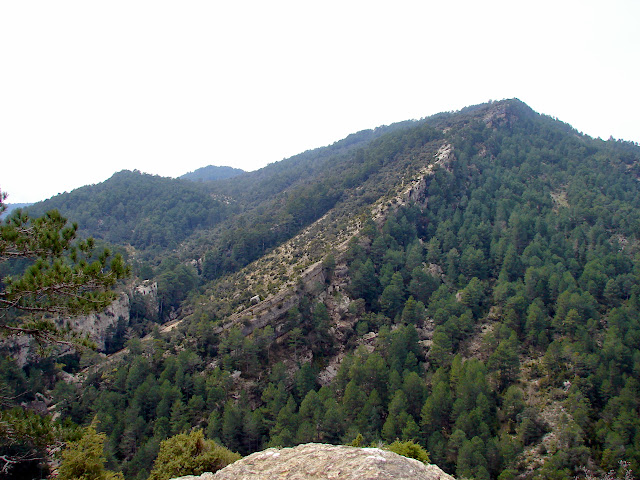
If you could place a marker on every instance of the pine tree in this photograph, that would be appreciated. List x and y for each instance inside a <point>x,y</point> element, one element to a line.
<point>392,298</point>
<point>65,278</point>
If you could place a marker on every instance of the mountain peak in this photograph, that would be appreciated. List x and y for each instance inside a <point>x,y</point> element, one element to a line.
<point>212,172</point>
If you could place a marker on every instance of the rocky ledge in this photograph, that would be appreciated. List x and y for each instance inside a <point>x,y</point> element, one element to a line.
<point>320,462</point>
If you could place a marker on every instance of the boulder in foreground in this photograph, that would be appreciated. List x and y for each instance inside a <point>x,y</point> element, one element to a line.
<point>319,462</point>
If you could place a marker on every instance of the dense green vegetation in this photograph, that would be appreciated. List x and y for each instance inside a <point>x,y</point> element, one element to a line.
<point>84,458</point>
<point>535,234</point>
<point>211,173</point>
<point>495,322</point>
<point>145,211</point>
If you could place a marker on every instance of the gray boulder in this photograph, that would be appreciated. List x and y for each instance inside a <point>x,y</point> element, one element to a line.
<point>320,462</point>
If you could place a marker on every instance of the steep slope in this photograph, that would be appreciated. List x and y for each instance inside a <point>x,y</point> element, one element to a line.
<point>282,199</point>
<point>299,259</point>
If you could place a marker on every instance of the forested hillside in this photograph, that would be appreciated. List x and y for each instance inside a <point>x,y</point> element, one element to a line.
<point>211,173</point>
<point>145,211</point>
<point>469,282</point>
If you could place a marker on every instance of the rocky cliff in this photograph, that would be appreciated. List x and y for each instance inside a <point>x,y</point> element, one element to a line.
<point>95,325</point>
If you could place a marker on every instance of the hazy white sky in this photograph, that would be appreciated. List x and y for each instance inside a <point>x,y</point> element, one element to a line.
<point>90,88</point>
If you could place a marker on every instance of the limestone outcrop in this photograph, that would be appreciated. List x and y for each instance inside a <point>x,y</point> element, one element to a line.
<point>320,462</point>
<point>95,325</point>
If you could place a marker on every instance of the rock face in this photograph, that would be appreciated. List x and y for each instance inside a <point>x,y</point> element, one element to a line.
<point>320,462</point>
<point>95,325</point>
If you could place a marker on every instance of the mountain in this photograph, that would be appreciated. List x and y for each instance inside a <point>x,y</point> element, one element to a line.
<point>212,172</point>
<point>469,281</point>
<point>13,206</point>
<point>144,211</point>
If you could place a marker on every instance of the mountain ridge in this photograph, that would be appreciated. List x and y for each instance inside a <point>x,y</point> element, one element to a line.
<point>212,173</point>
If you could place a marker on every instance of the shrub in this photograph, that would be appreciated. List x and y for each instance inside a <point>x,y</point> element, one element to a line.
<point>85,458</point>
<point>190,454</point>
<point>409,449</point>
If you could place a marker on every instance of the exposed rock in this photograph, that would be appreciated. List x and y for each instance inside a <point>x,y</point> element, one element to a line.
<point>319,462</point>
<point>147,291</point>
<point>17,348</point>
<point>147,288</point>
<point>204,476</point>
<point>95,325</point>
<point>341,271</point>
<point>23,348</point>
<point>273,310</point>
<point>435,270</point>
<point>500,114</point>
<point>326,375</point>
<point>445,156</point>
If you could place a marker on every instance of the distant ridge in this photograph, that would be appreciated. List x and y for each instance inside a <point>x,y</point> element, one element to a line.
<point>212,172</point>
<point>13,206</point>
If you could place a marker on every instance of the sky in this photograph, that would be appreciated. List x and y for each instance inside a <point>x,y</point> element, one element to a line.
<point>90,88</point>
